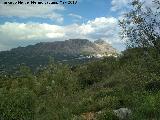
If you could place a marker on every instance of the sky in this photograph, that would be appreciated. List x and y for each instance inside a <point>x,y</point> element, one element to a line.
<point>26,24</point>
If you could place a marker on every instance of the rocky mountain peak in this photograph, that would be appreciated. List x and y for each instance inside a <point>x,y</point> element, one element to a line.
<point>71,46</point>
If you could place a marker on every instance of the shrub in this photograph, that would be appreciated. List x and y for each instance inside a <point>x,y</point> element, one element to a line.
<point>107,115</point>
<point>153,86</point>
<point>18,104</point>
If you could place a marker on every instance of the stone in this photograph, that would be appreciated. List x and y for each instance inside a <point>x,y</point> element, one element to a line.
<point>123,113</point>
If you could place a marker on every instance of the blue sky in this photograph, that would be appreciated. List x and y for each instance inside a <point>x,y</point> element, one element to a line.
<point>22,25</point>
<point>87,9</point>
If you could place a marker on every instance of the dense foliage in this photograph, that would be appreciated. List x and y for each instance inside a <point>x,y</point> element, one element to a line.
<point>86,91</point>
<point>60,92</point>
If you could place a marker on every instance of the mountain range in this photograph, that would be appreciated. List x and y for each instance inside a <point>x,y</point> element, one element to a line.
<point>70,51</point>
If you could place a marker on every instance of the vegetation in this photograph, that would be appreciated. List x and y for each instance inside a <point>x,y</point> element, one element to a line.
<point>86,91</point>
<point>141,25</point>
<point>60,92</point>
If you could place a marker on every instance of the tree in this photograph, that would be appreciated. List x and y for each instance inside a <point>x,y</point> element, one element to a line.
<point>141,25</point>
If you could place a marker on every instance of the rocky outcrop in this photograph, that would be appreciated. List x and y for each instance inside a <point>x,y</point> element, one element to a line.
<point>123,113</point>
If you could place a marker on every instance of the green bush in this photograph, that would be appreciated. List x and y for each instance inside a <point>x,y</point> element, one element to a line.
<point>153,86</point>
<point>107,115</point>
<point>18,104</point>
<point>149,107</point>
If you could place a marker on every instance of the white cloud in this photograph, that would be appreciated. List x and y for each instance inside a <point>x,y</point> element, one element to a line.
<point>119,4</point>
<point>30,31</point>
<point>12,34</point>
<point>26,11</point>
<point>75,16</point>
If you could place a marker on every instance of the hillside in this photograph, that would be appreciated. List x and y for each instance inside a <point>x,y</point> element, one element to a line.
<point>71,46</point>
<point>71,51</point>
<point>78,79</point>
<point>91,91</point>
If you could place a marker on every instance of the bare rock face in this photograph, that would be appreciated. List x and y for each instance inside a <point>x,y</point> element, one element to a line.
<point>123,113</point>
<point>105,47</point>
<point>73,46</point>
<point>81,46</point>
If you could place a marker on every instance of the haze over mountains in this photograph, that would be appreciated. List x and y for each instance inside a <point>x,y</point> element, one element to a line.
<point>70,51</point>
